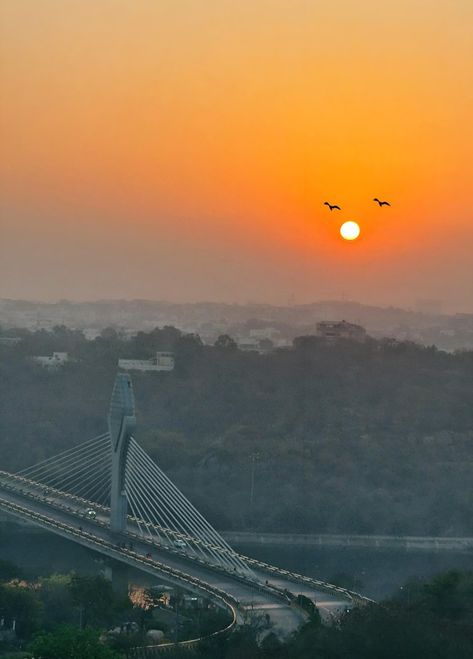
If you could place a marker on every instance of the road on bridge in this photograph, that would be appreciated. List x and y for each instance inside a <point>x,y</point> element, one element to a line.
<point>68,518</point>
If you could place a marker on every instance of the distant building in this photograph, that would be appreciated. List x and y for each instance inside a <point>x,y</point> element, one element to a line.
<point>91,333</point>
<point>282,343</point>
<point>164,361</point>
<point>262,346</point>
<point>248,344</point>
<point>340,329</point>
<point>57,360</point>
<point>9,341</point>
<point>270,333</point>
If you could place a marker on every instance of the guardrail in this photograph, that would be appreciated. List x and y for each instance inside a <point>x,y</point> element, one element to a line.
<point>224,599</point>
<point>352,596</point>
<point>355,598</point>
<point>45,499</point>
<point>149,651</point>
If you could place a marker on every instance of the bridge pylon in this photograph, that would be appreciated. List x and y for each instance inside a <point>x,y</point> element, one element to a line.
<point>121,423</point>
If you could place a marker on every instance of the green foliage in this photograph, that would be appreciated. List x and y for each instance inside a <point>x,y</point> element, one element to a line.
<point>95,598</point>
<point>21,603</point>
<point>433,620</point>
<point>308,605</point>
<point>448,596</point>
<point>372,437</point>
<point>59,608</point>
<point>70,643</point>
<point>389,630</point>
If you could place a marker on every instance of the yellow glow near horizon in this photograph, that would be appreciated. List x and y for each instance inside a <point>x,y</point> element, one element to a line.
<point>350,230</point>
<point>183,135</point>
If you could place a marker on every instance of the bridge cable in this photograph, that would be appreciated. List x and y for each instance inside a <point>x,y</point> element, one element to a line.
<point>210,535</point>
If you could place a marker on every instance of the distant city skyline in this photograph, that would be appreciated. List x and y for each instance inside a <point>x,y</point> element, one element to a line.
<point>428,324</point>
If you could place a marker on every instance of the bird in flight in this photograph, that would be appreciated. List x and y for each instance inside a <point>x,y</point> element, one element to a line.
<point>382,203</point>
<point>332,206</point>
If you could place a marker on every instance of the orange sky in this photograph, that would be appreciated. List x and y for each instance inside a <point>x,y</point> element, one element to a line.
<point>182,149</point>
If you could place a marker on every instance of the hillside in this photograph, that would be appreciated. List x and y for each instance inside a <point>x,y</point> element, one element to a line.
<point>349,437</point>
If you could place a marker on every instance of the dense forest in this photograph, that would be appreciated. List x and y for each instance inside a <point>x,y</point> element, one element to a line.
<point>373,437</point>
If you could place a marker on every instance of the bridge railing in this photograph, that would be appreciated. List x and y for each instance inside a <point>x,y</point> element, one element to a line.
<point>270,589</point>
<point>57,499</point>
<point>132,557</point>
<point>46,493</point>
<point>149,651</point>
<point>152,542</point>
<point>355,598</point>
<point>323,586</point>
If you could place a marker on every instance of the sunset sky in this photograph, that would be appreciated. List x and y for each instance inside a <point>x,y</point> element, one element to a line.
<point>183,149</point>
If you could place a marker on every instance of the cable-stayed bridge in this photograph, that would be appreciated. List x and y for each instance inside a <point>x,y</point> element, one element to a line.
<point>109,495</point>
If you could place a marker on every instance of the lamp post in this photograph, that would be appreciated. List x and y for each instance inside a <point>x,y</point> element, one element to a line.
<point>254,458</point>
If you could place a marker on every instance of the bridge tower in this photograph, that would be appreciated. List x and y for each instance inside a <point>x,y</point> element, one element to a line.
<point>121,423</point>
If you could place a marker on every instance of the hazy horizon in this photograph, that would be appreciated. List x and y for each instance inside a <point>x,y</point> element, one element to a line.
<point>183,150</point>
<point>433,307</point>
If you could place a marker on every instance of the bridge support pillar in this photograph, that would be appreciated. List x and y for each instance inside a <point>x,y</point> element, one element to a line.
<point>121,423</point>
<point>118,574</point>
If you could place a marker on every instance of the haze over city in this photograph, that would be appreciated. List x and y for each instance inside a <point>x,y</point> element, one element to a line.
<point>183,150</point>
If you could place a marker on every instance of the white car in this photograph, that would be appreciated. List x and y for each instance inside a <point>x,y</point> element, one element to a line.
<point>180,544</point>
<point>91,514</point>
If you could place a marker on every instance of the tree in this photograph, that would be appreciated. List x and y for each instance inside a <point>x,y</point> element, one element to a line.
<point>54,592</point>
<point>20,603</point>
<point>308,605</point>
<point>226,342</point>
<point>95,596</point>
<point>70,643</point>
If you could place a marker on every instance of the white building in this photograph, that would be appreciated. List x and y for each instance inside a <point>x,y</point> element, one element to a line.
<point>340,329</point>
<point>91,333</point>
<point>249,344</point>
<point>282,343</point>
<point>270,333</point>
<point>164,361</point>
<point>9,341</point>
<point>57,360</point>
<point>262,346</point>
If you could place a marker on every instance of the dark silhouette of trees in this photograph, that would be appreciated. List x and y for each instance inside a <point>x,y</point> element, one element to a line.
<point>226,342</point>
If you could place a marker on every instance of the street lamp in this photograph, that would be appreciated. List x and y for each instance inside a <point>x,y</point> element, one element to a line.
<point>254,458</point>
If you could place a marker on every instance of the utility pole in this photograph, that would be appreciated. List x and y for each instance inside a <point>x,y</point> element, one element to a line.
<point>254,458</point>
<point>176,633</point>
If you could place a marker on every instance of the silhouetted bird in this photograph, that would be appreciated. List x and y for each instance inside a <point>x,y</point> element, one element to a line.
<point>332,206</point>
<point>382,203</point>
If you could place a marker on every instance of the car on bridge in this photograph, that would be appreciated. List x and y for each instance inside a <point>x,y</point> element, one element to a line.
<point>180,544</point>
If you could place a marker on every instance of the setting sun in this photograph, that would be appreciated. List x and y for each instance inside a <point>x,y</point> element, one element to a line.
<point>350,230</point>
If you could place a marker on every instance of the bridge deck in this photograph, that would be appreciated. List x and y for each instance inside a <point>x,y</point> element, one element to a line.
<point>67,518</point>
